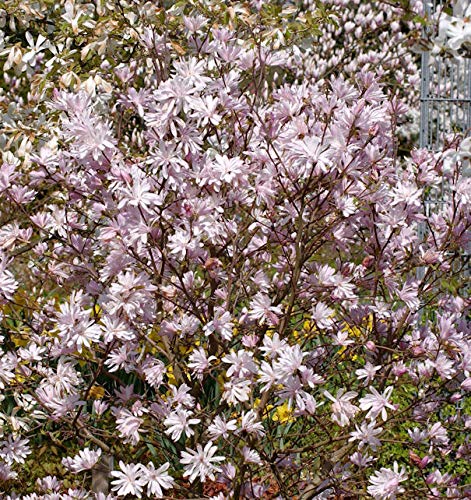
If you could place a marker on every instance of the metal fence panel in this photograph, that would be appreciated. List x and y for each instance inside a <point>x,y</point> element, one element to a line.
<point>445,109</point>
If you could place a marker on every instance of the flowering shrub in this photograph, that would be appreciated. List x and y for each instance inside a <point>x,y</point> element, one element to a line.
<point>451,29</point>
<point>211,278</point>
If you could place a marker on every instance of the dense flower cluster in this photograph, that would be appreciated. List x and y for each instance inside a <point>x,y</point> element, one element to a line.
<point>212,280</point>
<point>453,29</point>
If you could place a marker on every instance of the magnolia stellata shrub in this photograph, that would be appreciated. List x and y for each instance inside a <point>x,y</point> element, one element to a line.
<point>211,278</point>
<point>375,36</point>
<point>450,29</point>
<point>369,36</point>
<point>76,45</point>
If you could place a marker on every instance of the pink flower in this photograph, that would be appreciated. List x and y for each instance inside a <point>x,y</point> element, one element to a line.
<point>408,294</point>
<point>178,422</point>
<point>128,426</point>
<point>377,403</point>
<point>262,309</point>
<point>129,481</point>
<point>14,450</point>
<point>290,360</point>
<point>251,424</point>
<point>220,427</point>
<point>228,169</point>
<point>199,362</point>
<point>368,372</point>
<point>237,391</point>
<point>366,435</point>
<point>84,460</point>
<point>322,315</point>
<point>157,479</point>
<point>342,409</point>
<point>384,484</point>
<point>242,364</point>
<point>6,472</point>
<point>221,323</point>
<point>201,462</point>
<point>272,345</point>
<point>8,284</point>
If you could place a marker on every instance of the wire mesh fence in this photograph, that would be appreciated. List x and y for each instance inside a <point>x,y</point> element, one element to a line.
<point>445,110</point>
<point>445,92</point>
<point>445,99</point>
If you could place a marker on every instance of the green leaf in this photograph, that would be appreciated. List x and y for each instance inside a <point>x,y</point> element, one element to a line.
<point>419,19</point>
<point>152,449</point>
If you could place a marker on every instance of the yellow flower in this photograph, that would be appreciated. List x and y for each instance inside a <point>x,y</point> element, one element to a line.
<point>270,332</point>
<point>97,311</point>
<point>310,329</point>
<point>365,328</point>
<point>341,351</point>
<point>96,392</point>
<point>19,340</point>
<point>283,414</point>
<point>190,348</point>
<point>171,377</point>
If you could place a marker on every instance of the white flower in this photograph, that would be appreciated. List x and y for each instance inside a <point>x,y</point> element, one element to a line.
<point>342,409</point>
<point>181,396</point>
<point>438,434</point>
<point>361,460</point>
<point>341,339</point>
<point>200,462</point>
<point>454,31</point>
<point>290,360</point>
<point>140,194</point>
<point>366,434</point>
<point>262,309</point>
<point>14,450</point>
<point>368,372</point>
<point>241,362</point>
<point>237,391</point>
<point>220,427</point>
<point>84,460</point>
<point>377,403</point>
<point>228,168</point>
<point>182,241</point>
<point>157,479</point>
<point>72,15</point>
<point>130,481</point>
<point>221,324</point>
<point>199,362</point>
<point>251,424</point>
<point>384,484</point>
<point>268,375</point>
<point>251,456</point>
<point>6,472</point>
<point>8,364</point>
<point>417,436</point>
<point>193,24</point>
<point>322,315</point>
<point>272,345</point>
<point>8,284</point>
<point>176,94</point>
<point>35,48</point>
<point>206,110</point>
<point>128,426</point>
<point>178,422</point>
<point>85,333</point>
